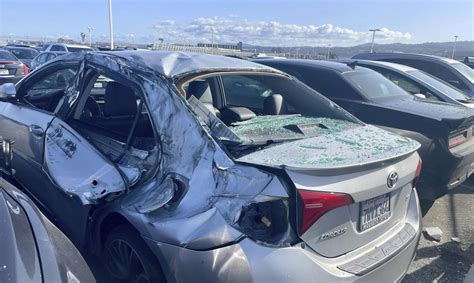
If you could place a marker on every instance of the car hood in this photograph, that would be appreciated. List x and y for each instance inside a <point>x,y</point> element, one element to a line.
<point>346,149</point>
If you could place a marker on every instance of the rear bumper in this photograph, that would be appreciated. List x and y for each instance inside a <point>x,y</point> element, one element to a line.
<point>248,261</point>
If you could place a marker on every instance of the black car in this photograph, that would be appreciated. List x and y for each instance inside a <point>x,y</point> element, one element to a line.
<point>469,61</point>
<point>454,72</point>
<point>444,130</point>
<point>32,248</point>
<point>11,68</point>
<point>25,54</point>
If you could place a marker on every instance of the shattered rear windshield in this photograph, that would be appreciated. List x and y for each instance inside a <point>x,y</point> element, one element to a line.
<point>287,127</point>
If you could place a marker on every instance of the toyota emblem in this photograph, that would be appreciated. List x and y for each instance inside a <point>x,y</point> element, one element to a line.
<point>392,179</point>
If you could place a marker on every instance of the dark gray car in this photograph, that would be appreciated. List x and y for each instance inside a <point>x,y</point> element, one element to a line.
<point>11,68</point>
<point>25,54</point>
<point>454,72</point>
<point>32,248</point>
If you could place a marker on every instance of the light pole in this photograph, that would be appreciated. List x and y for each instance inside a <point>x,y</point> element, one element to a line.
<point>373,38</point>
<point>454,46</point>
<point>90,29</point>
<point>212,37</point>
<point>111,28</point>
<point>329,48</point>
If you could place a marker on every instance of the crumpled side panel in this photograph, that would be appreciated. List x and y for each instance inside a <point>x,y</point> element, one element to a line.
<point>76,167</point>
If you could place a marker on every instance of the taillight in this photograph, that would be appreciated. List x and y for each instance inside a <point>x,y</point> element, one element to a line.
<point>417,172</point>
<point>25,70</point>
<point>456,140</point>
<point>316,204</point>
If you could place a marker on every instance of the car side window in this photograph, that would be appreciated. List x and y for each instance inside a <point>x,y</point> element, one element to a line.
<point>42,58</point>
<point>245,92</point>
<point>408,85</point>
<point>328,83</point>
<point>58,48</point>
<point>434,69</point>
<point>48,90</point>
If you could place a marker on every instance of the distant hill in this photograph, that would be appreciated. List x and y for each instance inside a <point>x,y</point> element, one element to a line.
<point>463,48</point>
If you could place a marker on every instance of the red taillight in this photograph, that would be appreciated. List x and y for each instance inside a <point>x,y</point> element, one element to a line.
<point>25,70</point>
<point>316,204</point>
<point>456,140</point>
<point>6,63</point>
<point>417,172</point>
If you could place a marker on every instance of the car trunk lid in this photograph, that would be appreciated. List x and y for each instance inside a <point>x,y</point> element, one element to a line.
<point>352,164</point>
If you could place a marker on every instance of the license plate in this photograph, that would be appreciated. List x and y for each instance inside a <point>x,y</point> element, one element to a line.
<point>374,211</point>
<point>3,71</point>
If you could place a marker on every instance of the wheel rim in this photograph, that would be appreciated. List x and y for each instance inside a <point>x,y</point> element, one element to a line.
<point>124,263</point>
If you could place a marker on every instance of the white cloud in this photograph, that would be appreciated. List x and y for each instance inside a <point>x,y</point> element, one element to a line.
<point>271,33</point>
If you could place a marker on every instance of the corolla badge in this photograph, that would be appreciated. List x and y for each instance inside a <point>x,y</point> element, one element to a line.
<point>392,179</point>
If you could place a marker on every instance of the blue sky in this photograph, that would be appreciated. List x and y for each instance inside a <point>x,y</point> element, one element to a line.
<point>265,22</point>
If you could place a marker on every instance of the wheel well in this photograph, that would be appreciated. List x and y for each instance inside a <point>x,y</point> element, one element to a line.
<point>109,223</point>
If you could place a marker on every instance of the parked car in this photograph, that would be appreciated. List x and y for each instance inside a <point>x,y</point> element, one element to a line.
<point>451,71</point>
<point>195,167</point>
<point>444,130</point>
<point>65,47</point>
<point>33,249</point>
<point>469,61</point>
<point>11,68</point>
<point>416,82</point>
<point>44,57</point>
<point>25,54</point>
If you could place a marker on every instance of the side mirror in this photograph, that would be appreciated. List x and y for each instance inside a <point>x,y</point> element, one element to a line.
<point>419,95</point>
<point>7,91</point>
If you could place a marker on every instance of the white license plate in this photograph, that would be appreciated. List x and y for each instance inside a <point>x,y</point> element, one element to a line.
<point>374,211</point>
<point>3,71</point>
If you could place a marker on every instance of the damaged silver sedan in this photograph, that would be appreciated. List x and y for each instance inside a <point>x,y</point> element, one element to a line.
<point>188,167</point>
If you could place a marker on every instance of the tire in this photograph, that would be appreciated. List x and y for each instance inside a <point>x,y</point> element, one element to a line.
<point>127,258</point>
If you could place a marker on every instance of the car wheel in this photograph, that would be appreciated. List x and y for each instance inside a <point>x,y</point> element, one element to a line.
<point>128,259</point>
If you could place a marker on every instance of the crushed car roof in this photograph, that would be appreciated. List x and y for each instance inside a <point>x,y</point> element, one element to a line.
<point>173,64</point>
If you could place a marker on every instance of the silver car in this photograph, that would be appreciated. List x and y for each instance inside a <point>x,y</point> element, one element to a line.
<point>189,167</point>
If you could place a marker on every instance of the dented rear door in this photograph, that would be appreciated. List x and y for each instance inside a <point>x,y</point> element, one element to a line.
<point>79,177</point>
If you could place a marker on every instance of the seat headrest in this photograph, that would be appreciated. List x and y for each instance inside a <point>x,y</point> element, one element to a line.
<point>201,90</point>
<point>274,105</point>
<point>119,100</point>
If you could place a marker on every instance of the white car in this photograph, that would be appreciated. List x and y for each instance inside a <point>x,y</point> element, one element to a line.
<point>65,47</point>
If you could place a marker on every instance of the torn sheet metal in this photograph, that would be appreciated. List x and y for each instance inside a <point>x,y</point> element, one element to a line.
<point>216,187</point>
<point>65,153</point>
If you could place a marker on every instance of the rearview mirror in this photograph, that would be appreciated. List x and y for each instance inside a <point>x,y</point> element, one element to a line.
<point>7,91</point>
<point>419,95</point>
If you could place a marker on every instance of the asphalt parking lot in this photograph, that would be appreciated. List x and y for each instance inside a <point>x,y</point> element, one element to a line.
<point>450,259</point>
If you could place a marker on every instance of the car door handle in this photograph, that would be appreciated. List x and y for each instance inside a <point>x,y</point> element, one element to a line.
<point>36,130</point>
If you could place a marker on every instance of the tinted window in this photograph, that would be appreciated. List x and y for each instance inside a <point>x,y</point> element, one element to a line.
<point>5,55</point>
<point>78,49</point>
<point>373,85</point>
<point>42,58</point>
<point>440,85</point>
<point>465,71</point>
<point>58,48</point>
<point>327,82</point>
<point>44,47</point>
<point>23,53</point>
<point>435,69</point>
